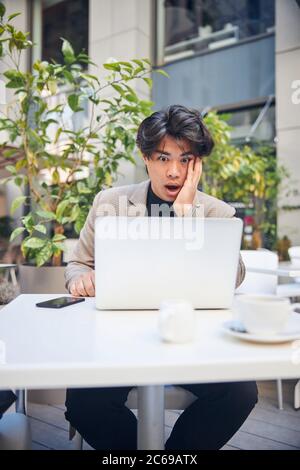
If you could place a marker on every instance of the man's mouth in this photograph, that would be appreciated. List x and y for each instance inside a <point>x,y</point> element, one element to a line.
<point>172,188</point>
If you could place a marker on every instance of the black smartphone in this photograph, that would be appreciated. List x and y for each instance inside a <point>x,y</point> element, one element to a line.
<point>60,302</point>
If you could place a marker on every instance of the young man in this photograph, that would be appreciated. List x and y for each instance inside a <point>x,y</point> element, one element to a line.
<point>173,143</point>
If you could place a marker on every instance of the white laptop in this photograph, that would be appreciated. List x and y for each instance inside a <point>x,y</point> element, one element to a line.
<point>140,261</point>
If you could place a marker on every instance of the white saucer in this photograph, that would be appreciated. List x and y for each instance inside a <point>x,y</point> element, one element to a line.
<point>290,333</point>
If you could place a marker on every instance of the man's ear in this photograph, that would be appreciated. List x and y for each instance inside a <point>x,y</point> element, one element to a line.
<point>145,158</point>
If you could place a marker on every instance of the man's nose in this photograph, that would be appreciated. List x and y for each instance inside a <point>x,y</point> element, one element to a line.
<point>173,170</point>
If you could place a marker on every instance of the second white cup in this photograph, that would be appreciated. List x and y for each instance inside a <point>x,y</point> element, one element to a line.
<point>263,314</point>
<point>176,321</point>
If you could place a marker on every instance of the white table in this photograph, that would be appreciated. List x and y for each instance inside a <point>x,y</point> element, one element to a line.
<point>79,346</point>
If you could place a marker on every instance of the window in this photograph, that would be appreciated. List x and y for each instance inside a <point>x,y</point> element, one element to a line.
<point>64,19</point>
<point>190,26</point>
<point>253,124</point>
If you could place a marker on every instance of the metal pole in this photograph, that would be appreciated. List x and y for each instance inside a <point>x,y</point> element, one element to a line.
<point>151,417</point>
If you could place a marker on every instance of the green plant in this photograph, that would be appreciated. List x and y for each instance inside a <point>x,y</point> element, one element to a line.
<point>282,247</point>
<point>47,154</point>
<point>246,174</point>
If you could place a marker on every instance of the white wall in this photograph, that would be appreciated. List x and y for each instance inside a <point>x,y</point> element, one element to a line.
<point>288,113</point>
<point>122,29</point>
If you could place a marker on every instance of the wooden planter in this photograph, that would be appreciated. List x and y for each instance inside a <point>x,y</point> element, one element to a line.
<point>43,280</point>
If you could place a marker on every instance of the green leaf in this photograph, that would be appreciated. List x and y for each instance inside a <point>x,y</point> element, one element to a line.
<point>162,72</point>
<point>75,213</point>
<point>82,188</point>
<point>132,97</point>
<point>21,164</point>
<point>17,203</point>
<point>58,237</point>
<point>44,254</point>
<point>112,66</point>
<point>52,86</point>
<point>16,233</point>
<point>118,88</point>
<point>10,153</point>
<point>11,169</point>
<point>59,247</point>
<point>90,78</point>
<point>27,221</point>
<point>46,214</point>
<point>149,81</point>
<point>57,135</point>
<point>62,206</point>
<point>126,64</point>
<point>65,220</point>
<point>40,228</point>
<point>10,17</point>
<point>55,177</point>
<point>68,75</point>
<point>80,222</point>
<point>18,180</point>
<point>34,243</point>
<point>2,10</point>
<point>138,62</point>
<point>16,79</point>
<point>68,51</point>
<point>73,101</point>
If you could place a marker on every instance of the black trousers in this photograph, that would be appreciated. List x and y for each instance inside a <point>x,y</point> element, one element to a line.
<point>103,420</point>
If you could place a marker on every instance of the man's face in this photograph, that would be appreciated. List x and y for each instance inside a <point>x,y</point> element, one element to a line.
<point>167,167</point>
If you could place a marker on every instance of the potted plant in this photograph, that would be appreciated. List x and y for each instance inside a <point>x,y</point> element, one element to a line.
<point>62,165</point>
<point>249,175</point>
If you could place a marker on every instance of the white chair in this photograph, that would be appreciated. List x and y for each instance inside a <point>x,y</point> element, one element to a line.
<point>294,254</point>
<point>292,289</point>
<point>257,283</point>
<point>176,398</point>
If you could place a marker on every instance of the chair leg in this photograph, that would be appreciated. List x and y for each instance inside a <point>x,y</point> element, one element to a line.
<point>78,441</point>
<point>21,402</point>
<point>297,395</point>
<point>279,394</point>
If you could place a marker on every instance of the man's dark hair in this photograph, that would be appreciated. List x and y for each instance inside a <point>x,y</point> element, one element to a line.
<point>178,122</point>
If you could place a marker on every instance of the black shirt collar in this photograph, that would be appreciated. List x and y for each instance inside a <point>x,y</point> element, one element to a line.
<point>153,201</point>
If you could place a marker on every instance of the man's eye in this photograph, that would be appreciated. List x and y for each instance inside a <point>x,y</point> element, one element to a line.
<point>162,158</point>
<point>185,160</point>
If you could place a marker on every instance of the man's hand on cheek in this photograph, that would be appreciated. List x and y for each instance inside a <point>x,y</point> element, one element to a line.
<point>183,203</point>
<point>84,286</point>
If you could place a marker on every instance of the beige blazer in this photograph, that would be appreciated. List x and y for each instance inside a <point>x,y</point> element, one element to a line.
<point>131,201</point>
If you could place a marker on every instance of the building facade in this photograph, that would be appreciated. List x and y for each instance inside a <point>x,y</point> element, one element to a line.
<point>241,57</point>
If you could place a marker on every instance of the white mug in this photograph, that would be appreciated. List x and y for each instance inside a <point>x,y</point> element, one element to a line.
<point>176,321</point>
<point>263,314</point>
